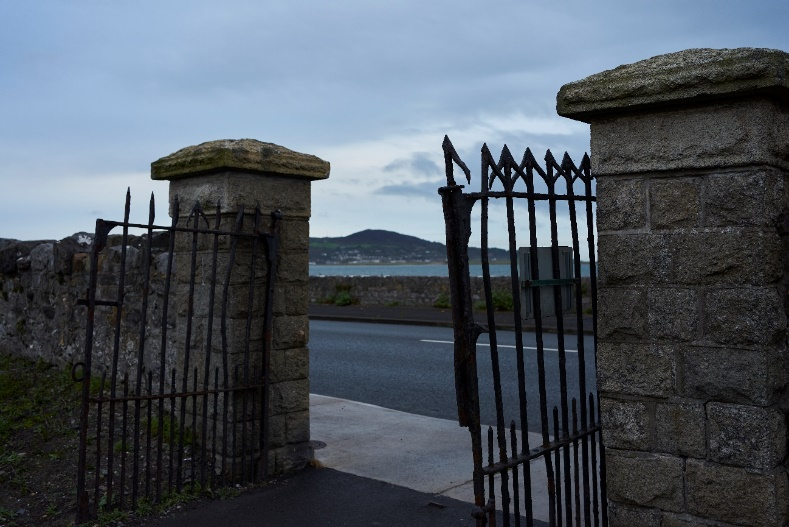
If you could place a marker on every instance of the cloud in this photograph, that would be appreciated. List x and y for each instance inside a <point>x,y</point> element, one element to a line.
<point>420,163</point>
<point>426,189</point>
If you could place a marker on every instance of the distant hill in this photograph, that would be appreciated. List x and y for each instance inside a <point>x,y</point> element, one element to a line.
<point>386,247</point>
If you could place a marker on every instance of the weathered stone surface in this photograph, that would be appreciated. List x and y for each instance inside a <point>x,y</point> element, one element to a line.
<point>731,375</point>
<point>746,436</point>
<point>673,314</point>
<point>626,424</point>
<point>298,424</point>
<point>291,299</point>
<point>674,203</point>
<point>725,256</point>
<point>621,204</point>
<point>645,480</point>
<point>730,134</point>
<point>632,259</point>
<point>294,267</point>
<point>623,516</point>
<point>692,75</point>
<point>688,520</point>
<point>42,258</point>
<point>622,313</point>
<point>290,332</point>
<point>636,369</point>
<point>737,495</point>
<point>680,429</point>
<point>291,364</point>
<point>247,155</point>
<point>290,458</point>
<point>744,316</point>
<point>234,190</point>
<point>752,198</point>
<point>290,396</point>
<point>12,251</point>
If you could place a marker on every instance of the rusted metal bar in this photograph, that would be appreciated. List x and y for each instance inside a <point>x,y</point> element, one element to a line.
<point>124,429</point>
<point>141,348</point>
<point>148,434</point>
<point>116,349</point>
<point>272,257</point>
<point>516,507</point>
<point>209,341</point>
<point>175,214</point>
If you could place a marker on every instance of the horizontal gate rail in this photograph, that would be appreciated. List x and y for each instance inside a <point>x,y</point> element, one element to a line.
<point>158,417</point>
<point>570,444</point>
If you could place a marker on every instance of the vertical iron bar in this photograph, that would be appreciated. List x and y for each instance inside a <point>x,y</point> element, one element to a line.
<point>558,462</point>
<point>195,217</point>
<point>148,430</point>
<point>557,299</point>
<point>530,165</point>
<point>97,492</point>
<point>501,430</point>
<point>175,213</point>
<point>209,341</point>
<point>141,350</point>
<point>603,492</point>
<point>213,427</point>
<point>223,328</point>
<point>116,345</point>
<point>579,317</point>
<point>82,492</point>
<point>247,335</point>
<point>234,422</point>
<point>272,256</point>
<point>254,422</point>
<point>172,431</point>
<point>576,468</point>
<point>457,217</point>
<point>124,431</point>
<point>515,483</point>
<point>491,505</point>
<point>595,496</point>
<point>193,434</point>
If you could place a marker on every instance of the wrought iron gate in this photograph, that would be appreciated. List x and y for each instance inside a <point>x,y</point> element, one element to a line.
<point>157,416</point>
<point>570,441</point>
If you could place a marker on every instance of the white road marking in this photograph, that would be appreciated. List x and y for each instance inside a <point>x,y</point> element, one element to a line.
<point>500,345</point>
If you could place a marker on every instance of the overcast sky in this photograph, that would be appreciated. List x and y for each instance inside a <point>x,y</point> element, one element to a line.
<point>91,92</point>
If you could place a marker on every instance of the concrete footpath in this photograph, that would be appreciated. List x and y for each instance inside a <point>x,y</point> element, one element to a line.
<point>380,467</point>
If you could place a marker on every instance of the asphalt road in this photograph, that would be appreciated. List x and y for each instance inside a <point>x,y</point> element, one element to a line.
<point>410,368</point>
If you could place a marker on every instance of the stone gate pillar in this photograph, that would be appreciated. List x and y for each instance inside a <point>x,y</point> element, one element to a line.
<point>245,174</point>
<point>691,155</point>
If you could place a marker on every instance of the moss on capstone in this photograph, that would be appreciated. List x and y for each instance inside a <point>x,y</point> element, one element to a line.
<point>246,155</point>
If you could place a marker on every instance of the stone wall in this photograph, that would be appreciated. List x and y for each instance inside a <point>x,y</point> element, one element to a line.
<point>40,284</point>
<point>691,155</point>
<point>394,290</point>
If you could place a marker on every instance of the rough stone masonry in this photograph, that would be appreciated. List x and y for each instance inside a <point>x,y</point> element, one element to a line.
<point>691,155</point>
<point>228,177</point>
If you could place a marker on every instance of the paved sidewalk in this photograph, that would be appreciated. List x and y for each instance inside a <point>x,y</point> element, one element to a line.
<point>381,467</point>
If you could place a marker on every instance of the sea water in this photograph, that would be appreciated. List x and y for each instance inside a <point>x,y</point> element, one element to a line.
<point>410,270</point>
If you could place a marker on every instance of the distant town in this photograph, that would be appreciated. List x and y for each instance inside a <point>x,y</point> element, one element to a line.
<point>384,247</point>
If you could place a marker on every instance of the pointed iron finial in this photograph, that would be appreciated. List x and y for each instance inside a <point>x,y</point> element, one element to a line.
<point>151,210</point>
<point>451,156</point>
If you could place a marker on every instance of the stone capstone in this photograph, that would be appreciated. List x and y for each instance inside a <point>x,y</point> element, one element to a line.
<point>244,155</point>
<point>688,76</point>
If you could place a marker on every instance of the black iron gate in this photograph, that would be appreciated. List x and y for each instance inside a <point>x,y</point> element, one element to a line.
<point>158,416</point>
<point>547,286</point>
